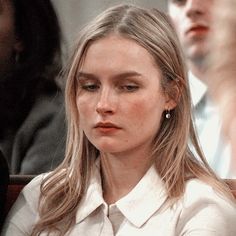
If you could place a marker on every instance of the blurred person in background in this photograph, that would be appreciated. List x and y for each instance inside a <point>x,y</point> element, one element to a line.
<point>221,72</point>
<point>32,125</point>
<point>193,22</point>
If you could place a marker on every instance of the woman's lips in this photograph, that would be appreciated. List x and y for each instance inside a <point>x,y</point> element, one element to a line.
<point>106,127</point>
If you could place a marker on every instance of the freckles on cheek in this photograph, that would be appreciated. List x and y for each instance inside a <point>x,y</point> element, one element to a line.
<point>138,112</point>
<point>143,106</point>
<point>145,111</point>
<point>82,107</point>
<point>138,108</point>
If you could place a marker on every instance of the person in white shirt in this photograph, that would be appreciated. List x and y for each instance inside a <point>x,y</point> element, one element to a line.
<point>221,68</point>
<point>128,168</point>
<point>193,22</point>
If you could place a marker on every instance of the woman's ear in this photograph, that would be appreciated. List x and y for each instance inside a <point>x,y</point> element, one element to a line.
<point>172,96</point>
<point>170,104</point>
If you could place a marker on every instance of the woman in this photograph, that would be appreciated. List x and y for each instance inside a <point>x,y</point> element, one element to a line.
<point>128,169</point>
<point>30,100</point>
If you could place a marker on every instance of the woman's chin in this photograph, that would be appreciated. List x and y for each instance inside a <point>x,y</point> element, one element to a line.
<point>108,147</point>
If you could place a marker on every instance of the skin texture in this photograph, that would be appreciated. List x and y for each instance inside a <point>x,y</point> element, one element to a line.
<point>193,22</point>
<point>9,44</point>
<point>115,86</point>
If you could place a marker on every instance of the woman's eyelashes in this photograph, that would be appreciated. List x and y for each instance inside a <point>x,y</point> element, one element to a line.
<point>90,87</point>
<point>128,87</point>
<point>94,86</point>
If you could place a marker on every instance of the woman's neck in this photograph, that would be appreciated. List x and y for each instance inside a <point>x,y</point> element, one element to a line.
<point>121,173</point>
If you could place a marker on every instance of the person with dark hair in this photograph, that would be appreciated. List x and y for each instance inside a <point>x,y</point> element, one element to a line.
<point>31,102</point>
<point>4,180</point>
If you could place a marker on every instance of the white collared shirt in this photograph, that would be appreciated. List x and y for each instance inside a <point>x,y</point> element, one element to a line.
<point>142,212</point>
<point>208,126</point>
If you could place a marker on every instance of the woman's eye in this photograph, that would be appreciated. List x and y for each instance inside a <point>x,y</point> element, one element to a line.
<point>90,87</point>
<point>129,87</point>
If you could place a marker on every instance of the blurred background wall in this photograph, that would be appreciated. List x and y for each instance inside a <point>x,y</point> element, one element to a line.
<point>73,14</point>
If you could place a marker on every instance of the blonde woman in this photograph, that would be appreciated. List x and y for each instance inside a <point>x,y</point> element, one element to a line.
<point>128,168</point>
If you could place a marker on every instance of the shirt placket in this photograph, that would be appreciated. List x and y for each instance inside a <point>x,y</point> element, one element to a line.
<point>106,229</point>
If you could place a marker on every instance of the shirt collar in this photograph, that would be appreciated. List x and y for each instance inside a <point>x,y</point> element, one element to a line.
<point>197,88</point>
<point>93,197</point>
<point>137,206</point>
<point>144,200</point>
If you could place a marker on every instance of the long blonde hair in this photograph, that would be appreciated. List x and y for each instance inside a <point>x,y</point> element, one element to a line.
<point>63,189</point>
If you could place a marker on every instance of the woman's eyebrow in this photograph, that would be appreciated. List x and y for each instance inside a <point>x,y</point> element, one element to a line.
<point>86,75</point>
<point>121,75</point>
<point>127,74</point>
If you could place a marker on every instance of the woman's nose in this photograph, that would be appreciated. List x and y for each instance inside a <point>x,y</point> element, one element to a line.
<point>106,103</point>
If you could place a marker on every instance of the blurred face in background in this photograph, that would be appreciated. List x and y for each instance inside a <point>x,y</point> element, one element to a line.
<point>9,45</point>
<point>193,22</point>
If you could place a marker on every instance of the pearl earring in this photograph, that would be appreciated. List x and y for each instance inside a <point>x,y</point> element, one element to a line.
<point>168,114</point>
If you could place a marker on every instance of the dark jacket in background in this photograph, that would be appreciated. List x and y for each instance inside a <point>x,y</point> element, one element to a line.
<point>38,144</point>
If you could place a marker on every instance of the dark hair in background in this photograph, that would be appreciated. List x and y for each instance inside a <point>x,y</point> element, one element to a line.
<point>38,64</point>
<point>37,27</point>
